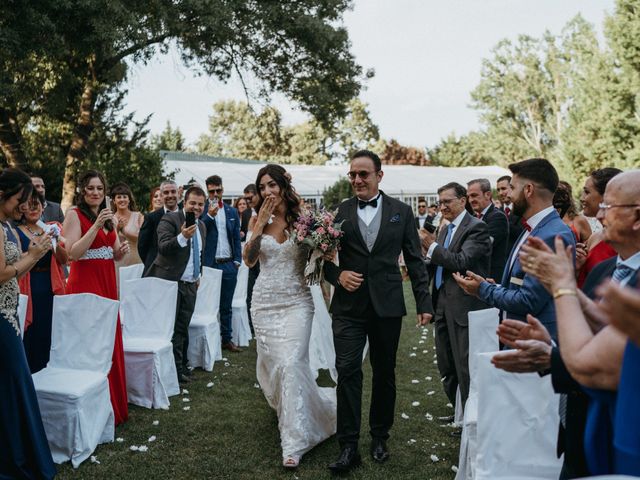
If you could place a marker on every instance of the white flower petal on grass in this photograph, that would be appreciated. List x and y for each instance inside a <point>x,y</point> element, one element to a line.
<point>425,351</point>
<point>226,364</point>
<point>119,439</point>
<point>415,404</point>
<point>224,359</point>
<point>224,373</point>
<point>428,416</point>
<point>449,405</point>
<point>435,361</point>
<point>412,354</point>
<point>443,444</point>
<point>415,381</point>
<point>186,409</point>
<point>185,391</point>
<point>152,438</point>
<point>143,448</point>
<point>94,459</point>
<point>427,378</point>
<point>210,384</point>
<point>405,416</point>
<point>134,448</point>
<point>411,441</point>
<point>430,392</point>
<point>414,348</point>
<point>255,385</point>
<point>454,468</point>
<point>186,400</point>
<point>434,458</point>
<point>156,422</point>
<point>421,341</point>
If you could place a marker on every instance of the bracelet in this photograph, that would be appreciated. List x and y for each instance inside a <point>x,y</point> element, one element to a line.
<point>564,291</point>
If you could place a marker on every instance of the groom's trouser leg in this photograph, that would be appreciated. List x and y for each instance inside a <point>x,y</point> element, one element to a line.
<point>349,337</point>
<point>384,335</point>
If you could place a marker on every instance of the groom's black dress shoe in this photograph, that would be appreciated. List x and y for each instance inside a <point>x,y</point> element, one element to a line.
<point>348,459</point>
<point>379,451</point>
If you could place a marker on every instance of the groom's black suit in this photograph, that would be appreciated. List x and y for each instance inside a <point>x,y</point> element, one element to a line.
<point>373,311</point>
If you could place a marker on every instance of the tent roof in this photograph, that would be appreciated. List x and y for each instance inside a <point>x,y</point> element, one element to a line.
<point>312,180</point>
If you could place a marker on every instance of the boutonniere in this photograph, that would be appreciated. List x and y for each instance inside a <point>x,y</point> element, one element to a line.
<point>395,218</point>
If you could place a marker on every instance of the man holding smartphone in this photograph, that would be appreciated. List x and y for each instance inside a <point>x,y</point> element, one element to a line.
<point>223,251</point>
<point>181,240</point>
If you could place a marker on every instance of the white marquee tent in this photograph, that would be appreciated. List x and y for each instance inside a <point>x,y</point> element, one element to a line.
<point>404,182</point>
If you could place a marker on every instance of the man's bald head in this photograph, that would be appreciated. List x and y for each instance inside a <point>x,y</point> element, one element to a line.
<point>621,215</point>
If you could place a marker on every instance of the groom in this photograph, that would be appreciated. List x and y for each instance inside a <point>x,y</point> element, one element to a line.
<point>368,303</point>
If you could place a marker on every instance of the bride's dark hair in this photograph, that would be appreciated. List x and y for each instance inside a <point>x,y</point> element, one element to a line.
<point>287,192</point>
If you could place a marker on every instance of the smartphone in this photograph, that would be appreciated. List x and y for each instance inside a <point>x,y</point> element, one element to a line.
<point>429,227</point>
<point>107,202</point>
<point>190,218</point>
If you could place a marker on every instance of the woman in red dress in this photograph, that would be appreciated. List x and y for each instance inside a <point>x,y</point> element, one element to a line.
<point>596,250</point>
<point>93,246</point>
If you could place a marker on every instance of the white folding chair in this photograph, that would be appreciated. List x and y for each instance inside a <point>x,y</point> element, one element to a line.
<point>482,338</point>
<point>204,329</point>
<point>149,305</point>
<point>73,390</point>
<point>124,275</point>
<point>517,424</point>
<point>241,331</point>
<point>23,300</point>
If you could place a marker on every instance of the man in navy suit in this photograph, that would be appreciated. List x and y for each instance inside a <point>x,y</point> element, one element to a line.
<point>222,251</point>
<point>479,193</point>
<point>533,184</point>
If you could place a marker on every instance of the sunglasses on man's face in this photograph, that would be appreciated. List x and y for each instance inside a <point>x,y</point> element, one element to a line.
<point>215,191</point>
<point>363,174</point>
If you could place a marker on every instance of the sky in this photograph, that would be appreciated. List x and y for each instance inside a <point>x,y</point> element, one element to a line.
<point>427,56</point>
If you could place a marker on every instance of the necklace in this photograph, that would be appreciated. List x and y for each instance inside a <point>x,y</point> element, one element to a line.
<point>35,234</point>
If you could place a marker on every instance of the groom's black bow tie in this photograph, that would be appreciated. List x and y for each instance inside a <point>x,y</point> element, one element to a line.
<point>371,203</point>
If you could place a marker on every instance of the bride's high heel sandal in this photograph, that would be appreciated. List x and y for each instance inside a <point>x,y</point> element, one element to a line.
<point>291,462</point>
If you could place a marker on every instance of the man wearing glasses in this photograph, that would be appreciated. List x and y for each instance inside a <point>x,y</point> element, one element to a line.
<point>369,304</point>
<point>222,251</point>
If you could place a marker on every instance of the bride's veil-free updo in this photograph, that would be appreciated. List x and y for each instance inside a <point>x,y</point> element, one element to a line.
<point>287,192</point>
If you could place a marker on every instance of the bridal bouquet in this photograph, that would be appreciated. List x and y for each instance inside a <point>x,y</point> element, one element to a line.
<point>319,231</point>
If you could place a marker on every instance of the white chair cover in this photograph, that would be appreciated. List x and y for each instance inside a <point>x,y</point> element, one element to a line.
<point>241,331</point>
<point>204,329</point>
<point>482,338</point>
<point>517,424</point>
<point>23,300</point>
<point>149,305</point>
<point>322,354</point>
<point>73,391</point>
<point>124,275</point>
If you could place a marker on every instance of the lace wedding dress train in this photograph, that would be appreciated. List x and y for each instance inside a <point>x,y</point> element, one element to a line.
<point>282,312</point>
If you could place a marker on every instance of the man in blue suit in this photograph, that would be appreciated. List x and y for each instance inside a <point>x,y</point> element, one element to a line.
<point>222,251</point>
<point>533,184</point>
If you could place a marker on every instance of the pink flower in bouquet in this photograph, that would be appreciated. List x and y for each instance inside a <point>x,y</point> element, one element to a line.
<point>324,247</point>
<point>320,231</point>
<point>300,238</point>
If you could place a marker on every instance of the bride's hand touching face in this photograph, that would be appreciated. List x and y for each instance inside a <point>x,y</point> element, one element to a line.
<point>269,189</point>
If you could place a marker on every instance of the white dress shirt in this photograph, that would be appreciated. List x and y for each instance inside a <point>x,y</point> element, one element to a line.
<point>367,213</point>
<point>456,223</point>
<point>533,223</point>
<point>421,220</point>
<point>223,249</point>
<point>187,275</point>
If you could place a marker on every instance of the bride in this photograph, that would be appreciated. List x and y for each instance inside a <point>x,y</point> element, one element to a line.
<point>282,312</point>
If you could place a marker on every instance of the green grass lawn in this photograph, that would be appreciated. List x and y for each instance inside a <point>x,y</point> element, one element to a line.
<point>230,432</point>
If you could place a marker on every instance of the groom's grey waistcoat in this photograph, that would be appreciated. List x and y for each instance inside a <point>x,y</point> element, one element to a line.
<point>370,232</point>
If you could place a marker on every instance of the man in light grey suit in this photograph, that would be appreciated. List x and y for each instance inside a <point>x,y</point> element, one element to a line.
<point>51,211</point>
<point>464,244</point>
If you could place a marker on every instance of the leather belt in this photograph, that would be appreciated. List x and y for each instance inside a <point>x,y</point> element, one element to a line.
<point>224,260</point>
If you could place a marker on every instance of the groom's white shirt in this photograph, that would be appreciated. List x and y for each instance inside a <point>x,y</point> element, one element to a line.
<point>367,213</point>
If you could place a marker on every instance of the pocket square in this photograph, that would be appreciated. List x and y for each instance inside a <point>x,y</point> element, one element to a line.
<point>395,218</point>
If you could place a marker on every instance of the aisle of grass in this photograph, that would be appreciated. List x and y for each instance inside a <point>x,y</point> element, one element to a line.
<point>230,432</point>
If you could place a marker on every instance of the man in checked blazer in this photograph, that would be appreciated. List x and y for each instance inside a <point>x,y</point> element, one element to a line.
<point>464,244</point>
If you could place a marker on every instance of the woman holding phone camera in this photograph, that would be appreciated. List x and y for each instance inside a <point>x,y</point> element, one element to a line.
<point>93,247</point>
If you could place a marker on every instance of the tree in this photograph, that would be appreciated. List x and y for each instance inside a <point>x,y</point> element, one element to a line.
<point>395,154</point>
<point>298,48</point>
<point>336,193</point>
<point>169,139</point>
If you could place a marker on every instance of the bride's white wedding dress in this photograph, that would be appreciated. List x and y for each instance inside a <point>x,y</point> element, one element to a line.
<point>282,312</point>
